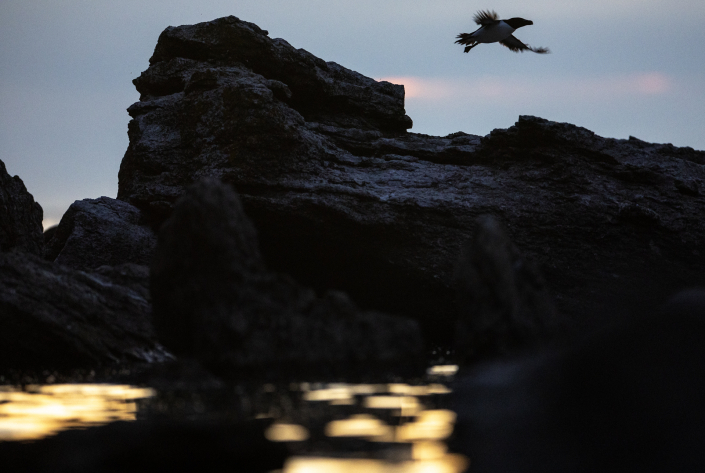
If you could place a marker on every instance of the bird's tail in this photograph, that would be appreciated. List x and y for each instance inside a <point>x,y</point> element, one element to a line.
<point>465,38</point>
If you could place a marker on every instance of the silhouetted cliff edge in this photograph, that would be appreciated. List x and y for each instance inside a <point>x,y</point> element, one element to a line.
<point>344,197</point>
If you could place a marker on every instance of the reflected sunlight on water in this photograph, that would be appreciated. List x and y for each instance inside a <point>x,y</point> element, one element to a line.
<point>280,432</point>
<point>331,427</point>
<point>443,370</point>
<point>448,463</point>
<point>40,411</point>
<point>413,424</point>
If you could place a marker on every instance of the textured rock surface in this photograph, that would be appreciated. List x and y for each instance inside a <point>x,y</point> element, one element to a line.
<point>53,316</point>
<point>97,232</point>
<point>503,301</point>
<point>344,198</point>
<point>213,299</point>
<point>20,216</point>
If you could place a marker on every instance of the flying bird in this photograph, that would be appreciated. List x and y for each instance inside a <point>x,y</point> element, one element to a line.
<point>493,30</point>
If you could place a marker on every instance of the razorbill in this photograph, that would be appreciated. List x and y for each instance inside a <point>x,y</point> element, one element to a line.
<point>492,30</point>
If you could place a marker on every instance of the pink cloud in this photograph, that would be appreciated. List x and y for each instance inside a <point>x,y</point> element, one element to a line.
<point>515,89</point>
<point>653,83</point>
<point>418,87</point>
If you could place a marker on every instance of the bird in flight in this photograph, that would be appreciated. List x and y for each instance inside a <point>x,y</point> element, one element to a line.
<point>493,30</point>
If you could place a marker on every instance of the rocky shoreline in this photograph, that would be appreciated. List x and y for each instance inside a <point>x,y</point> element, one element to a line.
<point>274,214</point>
<point>343,198</point>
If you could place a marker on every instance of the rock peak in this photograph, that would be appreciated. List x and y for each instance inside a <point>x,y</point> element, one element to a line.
<point>321,91</point>
<point>344,198</point>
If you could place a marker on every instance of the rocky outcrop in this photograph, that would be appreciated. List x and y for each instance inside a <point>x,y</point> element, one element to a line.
<point>52,316</point>
<point>343,197</point>
<point>20,216</point>
<point>56,317</point>
<point>214,300</point>
<point>98,232</point>
<point>626,399</point>
<point>503,301</point>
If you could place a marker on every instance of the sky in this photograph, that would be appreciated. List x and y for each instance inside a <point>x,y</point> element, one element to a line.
<point>617,67</point>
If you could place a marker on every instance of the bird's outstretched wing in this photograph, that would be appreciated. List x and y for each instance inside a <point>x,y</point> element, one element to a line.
<point>518,47</point>
<point>486,17</point>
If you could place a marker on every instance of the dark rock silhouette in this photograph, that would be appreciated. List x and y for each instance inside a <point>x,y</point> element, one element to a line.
<point>20,216</point>
<point>52,316</point>
<point>98,232</point>
<point>149,446</point>
<point>214,300</point>
<point>503,301</point>
<point>56,317</point>
<point>343,197</point>
<point>627,399</point>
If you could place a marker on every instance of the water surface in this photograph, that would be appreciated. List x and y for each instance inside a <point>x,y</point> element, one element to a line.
<point>329,427</point>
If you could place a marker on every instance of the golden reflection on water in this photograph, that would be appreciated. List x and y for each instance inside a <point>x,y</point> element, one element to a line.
<point>280,432</point>
<point>403,421</point>
<point>421,429</point>
<point>443,370</point>
<point>407,405</point>
<point>40,411</point>
<point>359,425</point>
<point>448,463</point>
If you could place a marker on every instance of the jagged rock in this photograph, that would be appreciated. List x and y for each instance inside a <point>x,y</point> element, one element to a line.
<point>20,216</point>
<point>98,232</point>
<point>343,197</point>
<point>625,399</point>
<point>503,301</point>
<point>214,300</point>
<point>52,316</point>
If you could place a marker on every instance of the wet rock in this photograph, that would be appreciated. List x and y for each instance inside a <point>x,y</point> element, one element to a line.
<point>626,399</point>
<point>98,232</point>
<point>343,197</point>
<point>20,216</point>
<point>56,317</point>
<point>213,299</point>
<point>503,301</point>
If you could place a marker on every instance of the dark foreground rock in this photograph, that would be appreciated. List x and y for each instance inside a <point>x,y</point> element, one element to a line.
<point>20,216</point>
<point>628,399</point>
<point>343,197</point>
<point>98,232</point>
<point>503,302</point>
<point>55,317</point>
<point>214,300</point>
<point>150,446</point>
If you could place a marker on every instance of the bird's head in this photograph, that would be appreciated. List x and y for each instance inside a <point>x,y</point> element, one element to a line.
<point>518,22</point>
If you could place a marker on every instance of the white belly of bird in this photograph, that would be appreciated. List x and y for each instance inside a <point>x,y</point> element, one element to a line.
<point>494,33</point>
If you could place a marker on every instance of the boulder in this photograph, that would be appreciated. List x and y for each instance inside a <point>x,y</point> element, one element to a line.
<point>503,301</point>
<point>52,316</point>
<point>20,216</point>
<point>627,398</point>
<point>98,232</point>
<point>344,198</point>
<point>213,299</point>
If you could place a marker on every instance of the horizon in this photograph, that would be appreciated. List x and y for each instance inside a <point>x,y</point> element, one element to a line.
<point>66,80</point>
